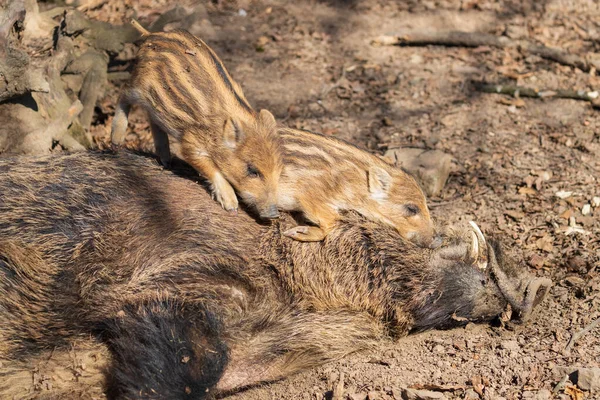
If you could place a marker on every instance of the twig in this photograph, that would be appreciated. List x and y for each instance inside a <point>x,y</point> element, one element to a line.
<point>521,91</point>
<point>338,389</point>
<point>577,335</point>
<point>477,39</point>
<point>560,384</point>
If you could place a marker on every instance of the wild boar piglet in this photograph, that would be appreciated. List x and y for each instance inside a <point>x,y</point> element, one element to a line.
<point>190,97</point>
<point>323,176</point>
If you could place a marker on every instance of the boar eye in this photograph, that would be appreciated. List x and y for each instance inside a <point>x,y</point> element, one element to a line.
<point>411,210</point>
<point>252,171</point>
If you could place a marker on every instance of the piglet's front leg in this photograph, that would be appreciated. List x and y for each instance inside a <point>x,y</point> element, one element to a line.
<point>222,190</point>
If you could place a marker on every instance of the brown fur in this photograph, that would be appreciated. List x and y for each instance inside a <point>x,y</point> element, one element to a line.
<point>323,176</point>
<point>110,255</point>
<point>190,96</point>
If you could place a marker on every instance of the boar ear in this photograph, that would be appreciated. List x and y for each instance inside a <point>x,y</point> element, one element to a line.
<point>379,182</point>
<point>267,120</point>
<point>232,134</point>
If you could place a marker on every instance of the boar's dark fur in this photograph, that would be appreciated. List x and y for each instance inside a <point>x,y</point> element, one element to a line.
<point>113,253</point>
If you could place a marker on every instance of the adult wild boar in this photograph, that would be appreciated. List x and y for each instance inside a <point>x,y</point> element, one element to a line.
<point>111,253</point>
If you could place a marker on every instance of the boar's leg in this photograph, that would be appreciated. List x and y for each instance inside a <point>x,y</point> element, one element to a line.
<point>161,350</point>
<point>319,213</point>
<point>161,144</point>
<point>283,342</point>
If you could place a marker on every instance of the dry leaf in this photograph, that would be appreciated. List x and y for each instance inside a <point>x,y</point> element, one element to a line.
<point>527,191</point>
<point>545,243</point>
<point>574,392</point>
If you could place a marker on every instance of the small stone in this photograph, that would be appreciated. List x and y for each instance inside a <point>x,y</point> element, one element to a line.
<point>414,394</point>
<point>562,194</point>
<point>373,395</point>
<point>242,12</point>
<point>471,394</point>
<point>510,345</point>
<point>596,202</point>
<point>431,168</point>
<point>358,396</point>
<point>586,209</point>
<point>397,393</point>
<point>588,378</point>
<point>416,59</point>
<point>439,349</point>
<point>543,394</point>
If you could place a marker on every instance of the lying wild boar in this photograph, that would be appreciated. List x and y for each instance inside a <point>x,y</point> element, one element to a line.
<point>113,254</point>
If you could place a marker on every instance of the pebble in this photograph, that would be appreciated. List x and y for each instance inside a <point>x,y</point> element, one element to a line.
<point>373,395</point>
<point>242,12</point>
<point>596,202</point>
<point>511,345</point>
<point>543,394</point>
<point>439,349</point>
<point>563,194</point>
<point>586,209</point>
<point>588,378</point>
<point>471,394</point>
<point>414,394</point>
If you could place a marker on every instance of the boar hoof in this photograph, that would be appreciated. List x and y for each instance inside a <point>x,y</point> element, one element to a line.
<point>305,233</point>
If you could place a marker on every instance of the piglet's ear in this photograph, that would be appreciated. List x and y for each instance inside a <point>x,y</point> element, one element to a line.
<point>267,120</point>
<point>232,134</point>
<point>380,182</point>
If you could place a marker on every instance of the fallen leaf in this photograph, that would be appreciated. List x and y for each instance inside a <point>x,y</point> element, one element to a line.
<point>574,393</point>
<point>527,191</point>
<point>567,214</point>
<point>514,214</point>
<point>536,261</point>
<point>545,243</point>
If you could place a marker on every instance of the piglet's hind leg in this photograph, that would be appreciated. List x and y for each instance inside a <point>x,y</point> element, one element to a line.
<point>161,144</point>
<point>119,123</point>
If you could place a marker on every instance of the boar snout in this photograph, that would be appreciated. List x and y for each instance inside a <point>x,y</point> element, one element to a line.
<point>523,302</point>
<point>270,212</point>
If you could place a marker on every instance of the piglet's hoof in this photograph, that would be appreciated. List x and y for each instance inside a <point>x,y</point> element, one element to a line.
<point>305,233</point>
<point>225,195</point>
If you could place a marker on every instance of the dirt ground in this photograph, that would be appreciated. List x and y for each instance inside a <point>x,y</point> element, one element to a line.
<point>524,168</point>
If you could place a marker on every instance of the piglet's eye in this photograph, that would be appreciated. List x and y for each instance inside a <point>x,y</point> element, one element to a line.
<point>411,210</point>
<point>252,171</point>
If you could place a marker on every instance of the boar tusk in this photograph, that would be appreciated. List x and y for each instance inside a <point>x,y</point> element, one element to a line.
<point>478,233</point>
<point>480,239</point>
<point>474,247</point>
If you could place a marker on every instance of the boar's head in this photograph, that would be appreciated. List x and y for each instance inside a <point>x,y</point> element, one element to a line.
<point>471,280</point>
